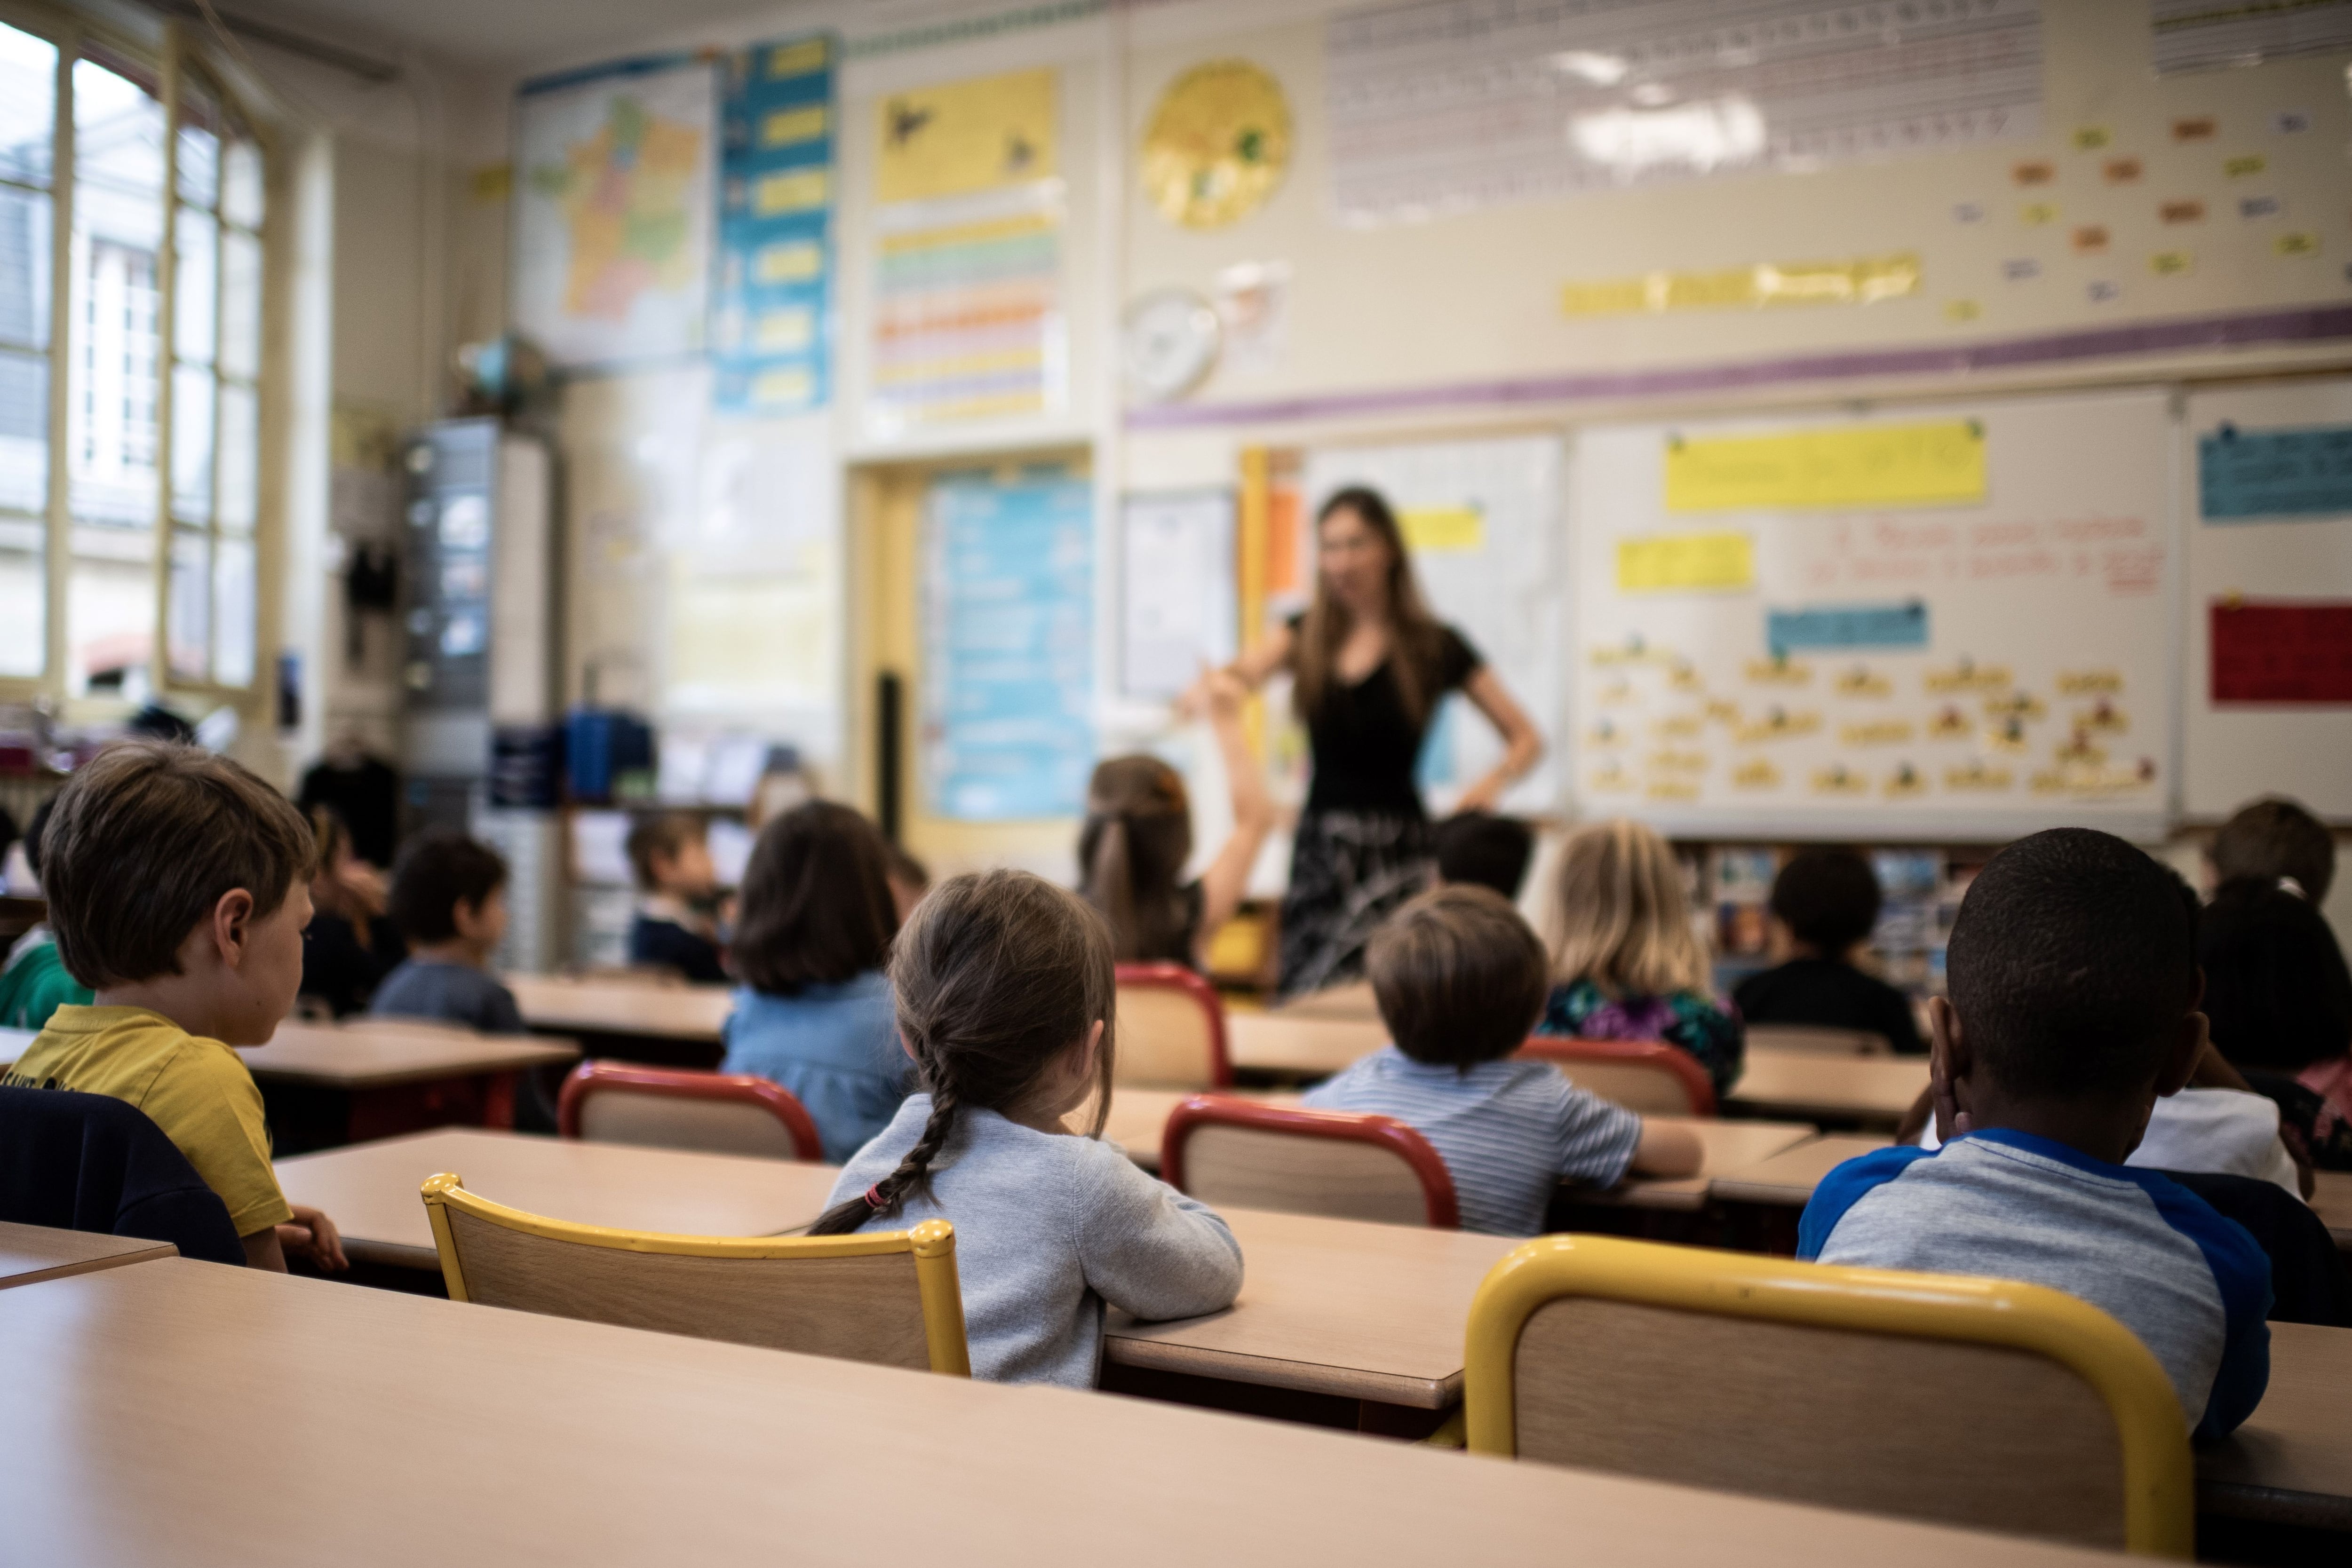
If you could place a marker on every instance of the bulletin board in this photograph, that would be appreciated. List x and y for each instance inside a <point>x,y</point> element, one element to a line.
<point>2267,640</point>
<point>1952,621</point>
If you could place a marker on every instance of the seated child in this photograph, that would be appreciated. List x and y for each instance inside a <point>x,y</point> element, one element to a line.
<point>2277,840</point>
<point>2073,1010</point>
<point>177,891</point>
<point>1825,905</point>
<point>1004,994</point>
<point>1138,836</point>
<point>814,1012</point>
<point>351,943</point>
<point>1626,964</point>
<point>1484,851</point>
<point>677,886</point>
<point>449,899</point>
<point>35,984</point>
<point>1460,979</point>
<point>2280,996</point>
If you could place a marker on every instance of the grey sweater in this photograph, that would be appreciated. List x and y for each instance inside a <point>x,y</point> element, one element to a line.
<point>1047,1229</point>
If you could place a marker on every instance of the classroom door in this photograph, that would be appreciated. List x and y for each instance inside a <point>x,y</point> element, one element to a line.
<point>889,503</point>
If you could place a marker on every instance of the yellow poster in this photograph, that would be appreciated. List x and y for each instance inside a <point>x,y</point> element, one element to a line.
<point>1856,466</point>
<point>964,136</point>
<point>1686,560</point>
<point>1444,528</point>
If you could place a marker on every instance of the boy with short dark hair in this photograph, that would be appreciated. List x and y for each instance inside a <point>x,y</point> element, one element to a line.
<point>1825,907</point>
<point>2072,1010</point>
<point>670,855</point>
<point>177,890</point>
<point>1461,981</point>
<point>1478,849</point>
<point>2276,841</point>
<point>449,900</point>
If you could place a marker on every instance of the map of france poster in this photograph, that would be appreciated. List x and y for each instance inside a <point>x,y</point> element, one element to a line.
<point>613,194</point>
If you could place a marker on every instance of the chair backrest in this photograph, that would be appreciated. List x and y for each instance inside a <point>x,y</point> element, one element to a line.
<point>1966,1401</point>
<point>93,1163</point>
<point>889,1297</point>
<point>1172,1029</point>
<point>718,1113</point>
<point>1239,1153</point>
<point>1645,1075</point>
<point>1814,1041</point>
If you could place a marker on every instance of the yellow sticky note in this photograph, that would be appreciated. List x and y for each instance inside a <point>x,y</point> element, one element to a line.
<point>1686,560</point>
<point>2091,138</point>
<point>795,191</point>
<point>963,136</point>
<point>788,261</point>
<point>797,59</point>
<point>1854,465</point>
<point>2297,245</point>
<point>2240,167</point>
<point>2172,262</point>
<point>784,332</point>
<point>1961,310</point>
<point>2035,213</point>
<point>791,387</point>
<point>1444,528</point>
<point>1610,297</point>
<point>786,126</point>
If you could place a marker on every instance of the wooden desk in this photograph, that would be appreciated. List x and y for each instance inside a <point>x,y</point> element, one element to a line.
<point>427,1431</point>
<point>1298,1047</point>
<point>2292,1461</point>
<point>327,1084</point>
<point>621,1007</point>
<point>1864,1090</point>
<point>1330,1306</point>
<point>1787,1179</point>
<point>31,1253</point>
<point>370,1189</point>
<point>1726,1145</point>
<point>2331,1200</point>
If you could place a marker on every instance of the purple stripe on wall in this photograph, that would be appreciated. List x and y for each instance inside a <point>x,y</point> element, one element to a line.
<point>2311,324</point>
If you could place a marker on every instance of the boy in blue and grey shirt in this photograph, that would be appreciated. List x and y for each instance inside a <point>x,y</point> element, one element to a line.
<point>2074,990</point>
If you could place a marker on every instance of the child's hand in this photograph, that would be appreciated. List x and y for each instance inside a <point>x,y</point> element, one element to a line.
<point>313,1236</point>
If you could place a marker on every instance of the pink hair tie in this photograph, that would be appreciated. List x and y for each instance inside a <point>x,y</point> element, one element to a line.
<point>874,1196</point>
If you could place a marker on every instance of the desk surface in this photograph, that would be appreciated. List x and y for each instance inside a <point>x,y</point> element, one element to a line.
<point>1803,1087</point>
<point>428,1431</point>
<point>31,1253</point>
<point>1789,1178</point>
<point>369,1190</point>
<point>621,1007</point>
<point>1302,1047</point>
<point>2331,1200</point>
<point>1727,1146</point>
<point>2292,1460</point>
<point>376,1052</point>
<point>1139,1116</point>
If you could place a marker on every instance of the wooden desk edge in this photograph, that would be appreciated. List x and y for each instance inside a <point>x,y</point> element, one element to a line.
<point>1760,1192</point>
<point>1301,1376</point>
<point>153,1252</point>
<point>390,1077</point>
<point>2244,1500</point>
<point>392,1254</point>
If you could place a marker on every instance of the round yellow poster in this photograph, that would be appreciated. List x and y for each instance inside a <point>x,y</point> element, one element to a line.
<point>1217,145</point>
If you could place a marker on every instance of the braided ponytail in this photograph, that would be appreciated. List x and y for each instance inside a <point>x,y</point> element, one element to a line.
<point>995,976</point>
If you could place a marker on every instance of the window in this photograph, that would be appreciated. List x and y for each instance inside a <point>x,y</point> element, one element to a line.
<point>129,494</point>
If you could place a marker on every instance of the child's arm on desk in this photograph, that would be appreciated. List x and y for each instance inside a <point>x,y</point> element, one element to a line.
<point>1667,1151</point>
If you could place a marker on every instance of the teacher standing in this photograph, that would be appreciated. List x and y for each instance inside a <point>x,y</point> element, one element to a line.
<point>1369,665</point>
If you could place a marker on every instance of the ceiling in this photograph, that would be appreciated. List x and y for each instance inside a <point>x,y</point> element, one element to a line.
<point>485,32</point>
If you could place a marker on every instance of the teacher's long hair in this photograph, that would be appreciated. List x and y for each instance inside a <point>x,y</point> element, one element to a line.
<point>1415,636</point>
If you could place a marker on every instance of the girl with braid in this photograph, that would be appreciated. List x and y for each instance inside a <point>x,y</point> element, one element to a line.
<point>1003,992</point>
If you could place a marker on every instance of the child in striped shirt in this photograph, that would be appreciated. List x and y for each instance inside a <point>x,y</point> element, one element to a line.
<point>1461,979</point>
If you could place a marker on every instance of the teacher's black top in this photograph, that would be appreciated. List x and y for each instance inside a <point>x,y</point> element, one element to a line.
<point>1365,743</point>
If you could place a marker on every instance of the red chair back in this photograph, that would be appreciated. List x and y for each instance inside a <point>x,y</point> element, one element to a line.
<point>1172,1029</point>
<point>1645,1075</point>
<point>718,1113</point>
<point>1227,1151</point>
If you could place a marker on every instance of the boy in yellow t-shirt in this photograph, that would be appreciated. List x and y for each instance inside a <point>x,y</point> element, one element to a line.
<point>178,889</point>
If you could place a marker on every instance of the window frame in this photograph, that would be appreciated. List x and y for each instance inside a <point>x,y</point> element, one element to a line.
<point>177,60</point>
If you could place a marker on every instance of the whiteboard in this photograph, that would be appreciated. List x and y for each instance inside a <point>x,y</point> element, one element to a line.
<point>1177,606</point>
<point>1971,667</point>
<point>2234,753</point>
<point>1484,519</point>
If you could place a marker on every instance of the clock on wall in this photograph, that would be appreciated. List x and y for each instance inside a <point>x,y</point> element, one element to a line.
<point>1171,340</point>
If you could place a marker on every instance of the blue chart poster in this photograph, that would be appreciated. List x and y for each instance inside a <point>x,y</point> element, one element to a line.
<point>1008,649</point>
<point>770,323</point>
<point>2248,473</point>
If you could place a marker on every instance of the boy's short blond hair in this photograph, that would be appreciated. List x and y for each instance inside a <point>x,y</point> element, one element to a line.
<point>144,839</point>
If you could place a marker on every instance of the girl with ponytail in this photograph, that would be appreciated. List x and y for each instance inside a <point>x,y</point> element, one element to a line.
<point>1005,997</point>
<point>1139,834</point>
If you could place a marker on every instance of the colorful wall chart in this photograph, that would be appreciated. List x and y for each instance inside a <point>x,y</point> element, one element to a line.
<point>1008,656</point>
<point>771,315</point>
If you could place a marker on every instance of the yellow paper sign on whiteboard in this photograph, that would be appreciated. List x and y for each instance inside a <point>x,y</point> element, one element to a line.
<point>964,136</point>
<point>1856,466</point>
<point>1444,528</point>
<point>1686,560</point>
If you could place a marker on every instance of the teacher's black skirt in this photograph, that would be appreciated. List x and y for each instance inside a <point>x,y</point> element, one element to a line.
<point>1348,871</point>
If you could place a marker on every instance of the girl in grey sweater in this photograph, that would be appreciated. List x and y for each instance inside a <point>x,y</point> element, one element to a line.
<point>1004,994</point>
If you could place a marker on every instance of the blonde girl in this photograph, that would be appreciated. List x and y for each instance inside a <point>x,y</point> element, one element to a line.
<point>1626,964</point>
